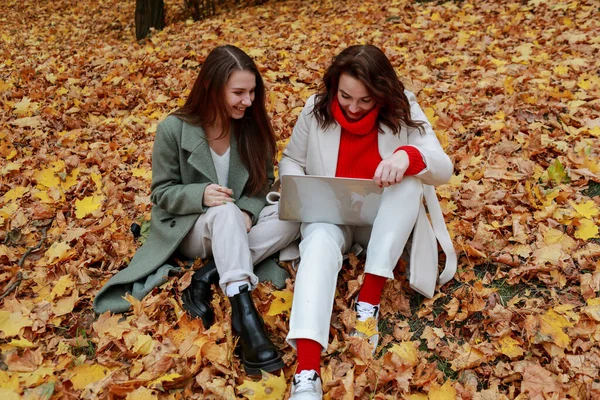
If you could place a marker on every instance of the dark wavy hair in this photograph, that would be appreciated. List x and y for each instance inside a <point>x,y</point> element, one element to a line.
<point>370,65</point>
<point>206,104</point>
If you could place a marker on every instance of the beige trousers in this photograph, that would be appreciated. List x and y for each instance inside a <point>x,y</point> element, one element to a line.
<point>221,232</point>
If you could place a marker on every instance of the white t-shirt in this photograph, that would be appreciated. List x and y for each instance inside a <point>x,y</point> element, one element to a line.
<point>221,166</point>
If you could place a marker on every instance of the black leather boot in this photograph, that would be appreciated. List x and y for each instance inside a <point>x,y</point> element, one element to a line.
<point>197,297</point>
<point>257,351</point>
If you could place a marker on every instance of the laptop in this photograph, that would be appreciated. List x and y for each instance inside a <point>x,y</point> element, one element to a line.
<point>342,201</point>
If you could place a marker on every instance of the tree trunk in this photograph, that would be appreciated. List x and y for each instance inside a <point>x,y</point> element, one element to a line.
<point>148,14</point>
<point>200,9</point>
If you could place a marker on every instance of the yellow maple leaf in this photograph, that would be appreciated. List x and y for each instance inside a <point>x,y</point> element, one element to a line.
<point>70,180</point>
<point>87,374</point>
<point>587,229</point>
<point>269,387</point>
<point>157,383</point>
<point>11,323</point>
<point>510,347</point>
<point>592,309</point>
<point>416,396</point>
<point>142,173</point>
<point>141,393</point>
<point>60,287</point>
<point>15,193</point>
<point>44,197</point>
<point>430,114</point>
<point>468,357</point>
<point>8,381</point>
<point>46,178</point>
<point>456,180</point>
<point>58,251</point>
<point>88,205</point>
<point>9,394</point>
<point>444,392</point>
<point>21,343</point>
<point>25,107</point>
<point>367,327</point>
<point>406,351</point>
<point>561,70</point>
<point>282,303</point>
<point>587,209</point>
<point>475,160</point>
<point>583,83</point>
<point>97,178</point>
<point>37,377</point>
<point>497,126</point>
<point>65,305</point>
<point>143,345</point>
<point>552,325</point>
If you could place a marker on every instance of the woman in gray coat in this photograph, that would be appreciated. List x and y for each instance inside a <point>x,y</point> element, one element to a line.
<point>212,165</point>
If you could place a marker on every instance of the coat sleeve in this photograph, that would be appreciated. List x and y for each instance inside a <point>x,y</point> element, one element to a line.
<point>168,190</point>
<point>293,159</point>
<point>255,204</point>
<point>438,166</point>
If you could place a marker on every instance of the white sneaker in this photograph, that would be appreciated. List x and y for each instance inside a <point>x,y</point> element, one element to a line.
<point>306,385</point>
<point>367,317</point>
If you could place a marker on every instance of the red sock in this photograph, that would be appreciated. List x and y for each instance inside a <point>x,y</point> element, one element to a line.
<point>372,288</point>
<point>309,355</point>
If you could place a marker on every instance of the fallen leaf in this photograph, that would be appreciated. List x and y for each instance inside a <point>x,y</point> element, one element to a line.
<point>269,387</point>
<point>282,302</point>
<point>86,374</point>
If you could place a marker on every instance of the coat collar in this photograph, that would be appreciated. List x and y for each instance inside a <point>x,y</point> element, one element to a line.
<point>193,140</point>
<point>387,142</point>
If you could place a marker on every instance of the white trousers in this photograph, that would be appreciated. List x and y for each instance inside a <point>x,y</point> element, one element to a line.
<point>321,258</point>
<point>221,232</point>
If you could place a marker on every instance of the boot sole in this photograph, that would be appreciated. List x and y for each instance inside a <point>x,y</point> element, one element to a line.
<point>253,369</point>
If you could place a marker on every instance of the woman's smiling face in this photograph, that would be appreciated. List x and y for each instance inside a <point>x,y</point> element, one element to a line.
<point>239,92</point>
<point>354,98</point>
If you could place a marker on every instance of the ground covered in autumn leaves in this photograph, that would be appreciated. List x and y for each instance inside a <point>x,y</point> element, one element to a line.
<point>512,89</point>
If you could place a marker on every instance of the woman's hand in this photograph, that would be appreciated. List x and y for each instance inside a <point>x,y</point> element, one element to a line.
<point>391,170</point>
<point>247,220</point>
<point>216,195</point>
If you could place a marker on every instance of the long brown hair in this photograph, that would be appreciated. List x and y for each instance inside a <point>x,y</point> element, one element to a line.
<point>370,65</point>
<point>206,105</point>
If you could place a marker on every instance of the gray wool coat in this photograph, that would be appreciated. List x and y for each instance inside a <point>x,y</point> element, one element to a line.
<point>182,168</point>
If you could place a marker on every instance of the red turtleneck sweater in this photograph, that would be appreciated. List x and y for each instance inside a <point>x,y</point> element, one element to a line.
<point>358,156</point>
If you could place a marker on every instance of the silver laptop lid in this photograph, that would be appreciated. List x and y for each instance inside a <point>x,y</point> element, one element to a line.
<point>342,201</point>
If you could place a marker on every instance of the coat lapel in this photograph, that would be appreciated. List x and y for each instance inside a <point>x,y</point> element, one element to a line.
<point>329,147</point>
<point>194,140</point>
<point>238,174</point>
<point>387,142</point>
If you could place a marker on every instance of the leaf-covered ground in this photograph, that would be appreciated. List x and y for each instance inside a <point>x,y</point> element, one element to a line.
<point>513,91</point>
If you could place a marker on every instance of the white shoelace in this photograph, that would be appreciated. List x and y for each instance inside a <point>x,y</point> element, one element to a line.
<point>304,381</point>
<point>365,311</point>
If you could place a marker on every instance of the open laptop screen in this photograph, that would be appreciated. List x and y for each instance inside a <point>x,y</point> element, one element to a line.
<point>344,201</point>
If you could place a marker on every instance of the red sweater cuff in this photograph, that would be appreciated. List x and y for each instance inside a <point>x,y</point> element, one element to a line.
<point>415,160</point>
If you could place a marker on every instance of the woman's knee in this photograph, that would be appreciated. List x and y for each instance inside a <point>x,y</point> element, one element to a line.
<point>320,236</point>
<point>228,210</point>
<point>409,187</point>
<point>323,231</point>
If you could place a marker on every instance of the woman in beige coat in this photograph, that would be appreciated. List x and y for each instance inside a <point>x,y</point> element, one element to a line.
<point>361,124</point>
<point>212,165</point>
